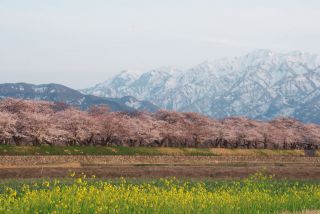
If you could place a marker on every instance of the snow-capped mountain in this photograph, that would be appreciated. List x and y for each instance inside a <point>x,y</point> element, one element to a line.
<point>260,85</point>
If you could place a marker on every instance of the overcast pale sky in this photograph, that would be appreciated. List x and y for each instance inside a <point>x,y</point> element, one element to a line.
<point>80,43</point>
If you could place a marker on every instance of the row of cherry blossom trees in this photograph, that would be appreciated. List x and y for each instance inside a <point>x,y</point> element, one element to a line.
<point>24,122</point>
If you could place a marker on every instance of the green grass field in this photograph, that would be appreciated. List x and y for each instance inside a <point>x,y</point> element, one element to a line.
<point>99,150</point>
<point>256,194</point>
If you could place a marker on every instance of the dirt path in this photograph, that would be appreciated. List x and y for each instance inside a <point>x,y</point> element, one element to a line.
<point>161,171</point>
<point>158,166</point>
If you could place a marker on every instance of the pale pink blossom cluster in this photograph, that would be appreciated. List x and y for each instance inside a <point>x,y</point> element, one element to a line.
<point>25,122</point>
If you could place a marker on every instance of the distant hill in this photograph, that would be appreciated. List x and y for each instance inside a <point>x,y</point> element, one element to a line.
<point>60,93</point>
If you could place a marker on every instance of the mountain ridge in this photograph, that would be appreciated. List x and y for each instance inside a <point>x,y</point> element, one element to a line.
<point>60,93</point>
<point>260,85</point>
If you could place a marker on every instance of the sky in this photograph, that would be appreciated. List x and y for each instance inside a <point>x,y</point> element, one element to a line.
<point>81,43</point>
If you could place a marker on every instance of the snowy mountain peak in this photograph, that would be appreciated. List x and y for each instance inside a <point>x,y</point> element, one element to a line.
<point>261,84</point>
<point>126,76</point>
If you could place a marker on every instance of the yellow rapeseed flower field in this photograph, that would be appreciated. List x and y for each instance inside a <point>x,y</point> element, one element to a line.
<point>257,194</point>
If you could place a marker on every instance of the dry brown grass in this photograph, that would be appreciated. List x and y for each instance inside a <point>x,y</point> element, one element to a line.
<point>305,212</point>
<point>256,152</point>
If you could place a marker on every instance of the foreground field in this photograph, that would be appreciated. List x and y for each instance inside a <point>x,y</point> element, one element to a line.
<point>257,194</point>
<point>210,180</point>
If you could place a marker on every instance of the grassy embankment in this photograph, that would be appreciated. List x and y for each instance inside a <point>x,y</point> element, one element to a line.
<point>99,150</point>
